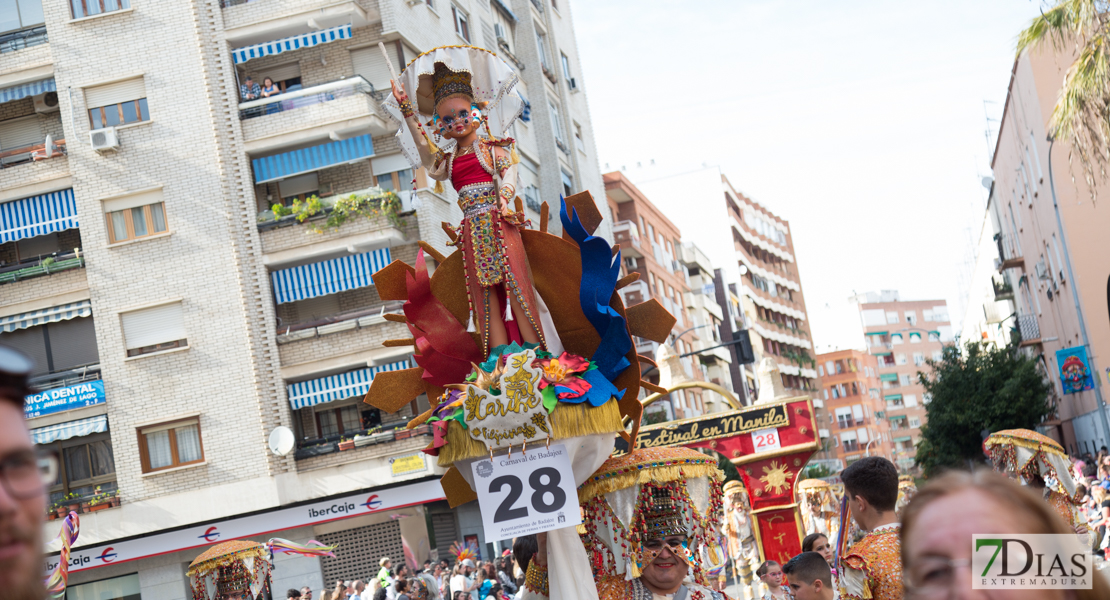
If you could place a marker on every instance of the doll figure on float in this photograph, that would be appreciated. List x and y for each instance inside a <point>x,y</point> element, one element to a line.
<point>454,127</point>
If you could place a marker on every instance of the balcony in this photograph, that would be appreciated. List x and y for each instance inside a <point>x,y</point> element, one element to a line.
<point>334,111</point>
<point>248,22</point>
<point>24,38</point>
<point>628,236</point>
<point>1027,329</point>
<point>339,334</point>
<point>33,163</point>
<point>850,446</point>
<point>67,378</point>
<point>1003,289</point>
<point>1009,252</point>
<point>635,293</point>
<point>42,266</point>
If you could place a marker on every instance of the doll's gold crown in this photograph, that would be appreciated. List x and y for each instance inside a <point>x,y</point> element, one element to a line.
<point>446,82</point>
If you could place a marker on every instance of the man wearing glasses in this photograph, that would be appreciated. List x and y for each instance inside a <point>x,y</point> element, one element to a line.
<point>22,492</point>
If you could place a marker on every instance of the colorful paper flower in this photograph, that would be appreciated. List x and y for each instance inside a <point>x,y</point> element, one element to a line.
<point>563,373</point>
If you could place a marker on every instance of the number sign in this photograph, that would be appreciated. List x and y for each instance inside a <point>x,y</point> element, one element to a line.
<point>765,440</point>
<point>527,492</point>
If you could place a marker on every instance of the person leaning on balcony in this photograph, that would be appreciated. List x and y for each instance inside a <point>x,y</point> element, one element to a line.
<point>249,90</point>
<point>22,491</point>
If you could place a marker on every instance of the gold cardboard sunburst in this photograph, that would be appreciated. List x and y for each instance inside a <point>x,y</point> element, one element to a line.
<point>776,476</point>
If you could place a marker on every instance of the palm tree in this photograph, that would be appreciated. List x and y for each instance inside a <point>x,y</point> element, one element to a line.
<point>1082,112</point>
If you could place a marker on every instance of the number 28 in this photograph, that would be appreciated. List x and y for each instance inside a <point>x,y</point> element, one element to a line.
<point>505,510</point>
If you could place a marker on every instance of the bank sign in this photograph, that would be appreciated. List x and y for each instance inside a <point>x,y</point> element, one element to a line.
<point>62,399</point>
<point>204,534</point>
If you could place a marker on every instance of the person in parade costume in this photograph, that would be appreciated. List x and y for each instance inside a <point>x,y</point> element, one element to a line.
<point>1039,461</point>
<point>872,567</point>
<point>651,516</point>
<point>469,88</point>
<point>240,569</point>
<point>739,537</point>
<point>906,491</point>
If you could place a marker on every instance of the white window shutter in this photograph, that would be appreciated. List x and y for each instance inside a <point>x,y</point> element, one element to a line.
<point>154,325</point>
<point>283,72</point>
<point>857,412</point>
<point>18,133</point>
<point>302,184</point>
<point>369,63</point>
<point>133,200</point>
<point>114,93</point>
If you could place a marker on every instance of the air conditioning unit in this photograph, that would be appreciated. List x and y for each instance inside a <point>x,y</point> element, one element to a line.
<point>46,102</point>
<point>572,84</point>
<point>499,33</point>
<point>104,139</point>
<point>1042,271</point>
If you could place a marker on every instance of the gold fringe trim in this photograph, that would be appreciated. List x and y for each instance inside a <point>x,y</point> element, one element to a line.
<point>227,559</point>
<point>648,475</point>
<point>567,421</point>
<point>1029,444</point>
<point>438,187</point>
<point>513,156</point>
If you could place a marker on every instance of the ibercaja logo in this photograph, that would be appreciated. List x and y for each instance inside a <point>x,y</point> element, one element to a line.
<point>1029,562</point>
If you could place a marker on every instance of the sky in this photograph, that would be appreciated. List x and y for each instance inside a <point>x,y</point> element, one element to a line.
<point>862,123</point>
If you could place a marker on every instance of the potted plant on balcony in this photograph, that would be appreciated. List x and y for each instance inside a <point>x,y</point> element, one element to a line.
<point>401,433</point>
<point>365,439</point>
<point>73,501</point>
<point>61,509</point>
<point>346,444</point>
<point>99,501</point>
<point>114,500</point>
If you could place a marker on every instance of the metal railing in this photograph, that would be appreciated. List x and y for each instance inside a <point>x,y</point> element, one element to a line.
<point>310,329</point>
<point>41,266</point>
<point>66,378</point>
<point>46,149</point>
<point>24,38</point>
<point>317,94</point>
<point>1003,289</point>
<point>1009,248</point>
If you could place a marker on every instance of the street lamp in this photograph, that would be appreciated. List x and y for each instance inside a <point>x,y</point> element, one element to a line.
<point>867,450</point>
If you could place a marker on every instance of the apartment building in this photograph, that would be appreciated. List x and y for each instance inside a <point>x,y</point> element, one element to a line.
<point>857,413</point>
<point>902,336</point>
<point>177,322</point>
<point>1046,266</point>
<point>707,315</point>
<point>651,245</point>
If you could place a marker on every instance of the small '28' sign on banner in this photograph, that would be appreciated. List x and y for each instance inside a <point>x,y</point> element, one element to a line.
<point>527,492</point>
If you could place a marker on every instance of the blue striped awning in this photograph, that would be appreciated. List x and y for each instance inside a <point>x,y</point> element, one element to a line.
<point>47,315</point>
<point>37,215</point>
<point>305,40</point>
<point>328,277</point>
<point>315,158</point>
<point>34,88</point>
<point>64,431</point>
<point>337,387</point>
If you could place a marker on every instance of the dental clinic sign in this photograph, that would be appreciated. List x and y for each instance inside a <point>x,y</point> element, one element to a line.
<point>61,399</point>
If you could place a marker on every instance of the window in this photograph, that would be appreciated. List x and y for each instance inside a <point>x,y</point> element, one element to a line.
<point>891,318</point>
<point>532,198</point>
<point>938,355</point>
<point>344,420</point>
<point>578,141</point>
<point>135,216</point>
<point>170,445</point>
<point>399,181</point>
<point>117,588</point>
<point>915,422</point>
<point>117,103</point>
<point>915,338</point>
<point>926,315</point>
<point>300,188</point>
<point>896,339</point>
<point>58,346</point>
<point>462,24</point>
<point>541,47</point>
<point>904,379</point>
<point>87,8</point>
<point>566,66</point>
<point>568,184</point>
<point>899,359</point>
<point>154,329</point>
<point>934,336</point>
<point>557,123</point>
<point>20,14</point>
<point>911,316</point>
<point>918,359</point>
<point>84,463</point>
<point>910,400</point>
<point>821,372</point>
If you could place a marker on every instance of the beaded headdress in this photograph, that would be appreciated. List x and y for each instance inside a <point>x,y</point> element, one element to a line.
<point>446,82</point>
<point>733,486</point>
<point>662,518</point>
<point>233,578</point>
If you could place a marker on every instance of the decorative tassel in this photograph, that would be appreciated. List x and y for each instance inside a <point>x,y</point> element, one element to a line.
<point>470,323</point>
<point>513,156</point>
<point>508,310</point>
<point>632,572</point>
<point>439,190</point>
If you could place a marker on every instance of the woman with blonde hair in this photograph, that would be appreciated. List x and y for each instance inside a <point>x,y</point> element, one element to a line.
<point>938,524</point>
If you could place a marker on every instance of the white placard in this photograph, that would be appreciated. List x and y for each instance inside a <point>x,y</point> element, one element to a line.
<point>526,493</point>
<point>765,440</point>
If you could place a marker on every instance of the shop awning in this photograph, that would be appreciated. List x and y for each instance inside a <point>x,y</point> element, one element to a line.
<point>64,431</point>
<point>37,215</point>
<point>892,397</point>
<point>32,88</point>
<point>337,387</point>
<point>47,315</point>
<point>882,354</point>
<point>328,277</point>
<point>889,377</point>
<point>896,417</point>
<point>312,159</point>
<point>876,333</point>
<point>305,40</point>
<point>904,438</point>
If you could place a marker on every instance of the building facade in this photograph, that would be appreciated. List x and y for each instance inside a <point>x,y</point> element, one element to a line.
<point>856,411</point>
<point>177,322</point>
<point>902,336</point>
<point>1046,268</point>
<point>651,245</point>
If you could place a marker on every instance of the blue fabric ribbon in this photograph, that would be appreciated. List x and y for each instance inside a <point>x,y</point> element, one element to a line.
<point>600,270</point>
